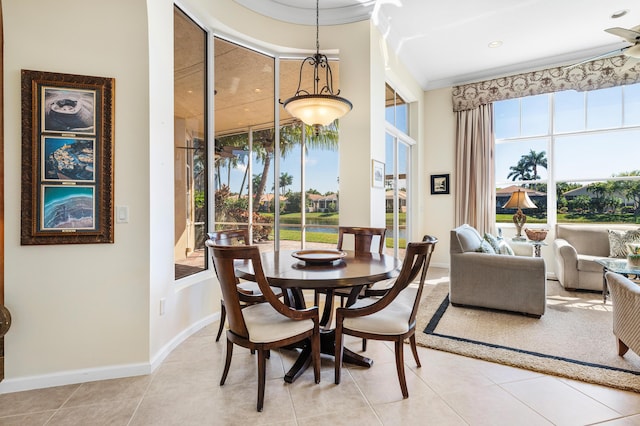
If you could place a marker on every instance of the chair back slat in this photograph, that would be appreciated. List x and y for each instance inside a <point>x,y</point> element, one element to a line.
<point>363,238</point>
<point>230,237</point>
<point>416,261</point>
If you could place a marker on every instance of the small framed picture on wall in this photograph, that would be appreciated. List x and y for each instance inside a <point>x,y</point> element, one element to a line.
<point>440,184</point>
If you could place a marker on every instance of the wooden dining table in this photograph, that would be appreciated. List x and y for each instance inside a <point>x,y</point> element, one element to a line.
<point>293,275</point>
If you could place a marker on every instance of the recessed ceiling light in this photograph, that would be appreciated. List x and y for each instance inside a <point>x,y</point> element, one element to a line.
<point>494,44</point>
<point>619,14</point>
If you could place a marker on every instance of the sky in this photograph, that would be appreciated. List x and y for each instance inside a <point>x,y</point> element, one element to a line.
<point>598,134</point>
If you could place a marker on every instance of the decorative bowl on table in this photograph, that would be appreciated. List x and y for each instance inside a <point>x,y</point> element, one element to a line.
<point>318,256</point>
<point>536,234</point>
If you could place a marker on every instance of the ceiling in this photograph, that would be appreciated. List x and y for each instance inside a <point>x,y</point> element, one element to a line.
<point>446,43</point>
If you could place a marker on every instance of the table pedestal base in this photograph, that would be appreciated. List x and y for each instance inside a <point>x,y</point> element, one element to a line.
<point>328,347</point>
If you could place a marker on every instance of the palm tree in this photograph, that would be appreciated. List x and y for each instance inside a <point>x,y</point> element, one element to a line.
<point>534,159</point>
<point>285,180</point>
<point>527,167</point>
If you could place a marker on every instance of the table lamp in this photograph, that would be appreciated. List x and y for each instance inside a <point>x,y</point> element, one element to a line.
<point>519,200</point>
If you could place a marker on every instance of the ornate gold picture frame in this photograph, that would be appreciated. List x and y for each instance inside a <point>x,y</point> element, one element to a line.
<point>67,159</point>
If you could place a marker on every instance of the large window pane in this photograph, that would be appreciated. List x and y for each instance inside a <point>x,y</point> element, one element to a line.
<point>631,106</point>
<point>596,156</point>
<point>604,108</point>
<point>190,158</point>
<point>593,155</point>
<point>507,118</point>
<point>569,111</point>
<point>535,115</point>
<point>396,110</point>
<point>244,157</point>
<point>521,160</point>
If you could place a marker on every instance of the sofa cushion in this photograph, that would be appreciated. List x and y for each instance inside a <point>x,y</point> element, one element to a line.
<point>485,247</point>
<point>618,241</point>
<point>588,263</point>
<point>504,248</point>
<point>493,240</point>
<point>465,238</point>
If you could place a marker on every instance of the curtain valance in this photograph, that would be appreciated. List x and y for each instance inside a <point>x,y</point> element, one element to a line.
<point>598,74</point>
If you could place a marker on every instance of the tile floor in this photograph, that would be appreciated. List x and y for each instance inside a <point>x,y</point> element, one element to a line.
<point>447,390</point>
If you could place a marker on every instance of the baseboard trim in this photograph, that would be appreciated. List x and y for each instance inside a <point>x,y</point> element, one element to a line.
<point>104,373</point>
<point>161,355</point>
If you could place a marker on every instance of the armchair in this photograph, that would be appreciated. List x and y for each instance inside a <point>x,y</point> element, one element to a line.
<point>494,281</point>
<point>625,298</point>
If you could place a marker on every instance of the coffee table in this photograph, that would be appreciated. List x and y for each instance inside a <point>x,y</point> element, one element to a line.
<point>619,266</point>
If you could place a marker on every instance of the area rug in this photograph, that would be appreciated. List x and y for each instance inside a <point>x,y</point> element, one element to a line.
<point>572,339</point>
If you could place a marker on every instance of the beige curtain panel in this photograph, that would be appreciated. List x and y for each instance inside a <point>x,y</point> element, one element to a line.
<point>475,176</point>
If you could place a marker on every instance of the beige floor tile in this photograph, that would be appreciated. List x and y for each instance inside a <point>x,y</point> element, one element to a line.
<point>235,405</point>
<point>559,402</point>
<point>34,401</point>
<point>368,381</point>
<point>109,390</point>
<point>33,419</point>
<point>624,421</point>
<point>113,413</point>
<point>356,417</point>
<point>625,403</point>
<point>313,400</point>
<point>446,373</point>
<point>417,410</point>
<point>492,405</point>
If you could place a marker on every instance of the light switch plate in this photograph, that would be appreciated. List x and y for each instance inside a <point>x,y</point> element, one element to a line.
<point>122,214</point>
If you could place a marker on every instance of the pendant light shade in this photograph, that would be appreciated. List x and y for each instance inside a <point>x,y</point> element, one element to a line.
<point>317,109</point>
<point>323,106</point>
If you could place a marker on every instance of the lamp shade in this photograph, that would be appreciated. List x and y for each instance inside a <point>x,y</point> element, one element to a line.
<point>317,109</point>
<point>519,200</point>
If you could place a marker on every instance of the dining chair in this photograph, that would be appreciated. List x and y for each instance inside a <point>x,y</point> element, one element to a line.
<point>393,316</point>
<point>248,291</point>
<point>262,326</point>
<point>363,241</point>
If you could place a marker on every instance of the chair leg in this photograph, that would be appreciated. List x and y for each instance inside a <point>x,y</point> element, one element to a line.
<point>400,368</point>
<point>315,354</point>
<point>414,349</point>
<point>223,317</point>
<point>261,377</point>
<point>364,345</point>
<point>338,354</point>
<point>227,362</point>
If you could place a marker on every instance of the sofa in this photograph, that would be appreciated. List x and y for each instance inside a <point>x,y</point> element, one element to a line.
<point>494,281</point>
<point>576,248</point>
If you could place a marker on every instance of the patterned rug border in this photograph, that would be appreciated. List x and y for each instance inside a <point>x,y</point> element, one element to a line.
<point>543,363</point>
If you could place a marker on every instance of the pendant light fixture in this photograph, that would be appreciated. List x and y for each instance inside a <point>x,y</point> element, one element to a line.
<point>321,107</point>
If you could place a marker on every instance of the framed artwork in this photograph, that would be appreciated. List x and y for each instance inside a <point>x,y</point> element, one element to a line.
<point>67,159</point>
<point>440,184</point>
<point>377,174</point>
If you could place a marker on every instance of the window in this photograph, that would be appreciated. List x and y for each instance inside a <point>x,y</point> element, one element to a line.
<point>575,151</point>
<point>397,171</point>
<point>285,192</point>
<point>190,145</point>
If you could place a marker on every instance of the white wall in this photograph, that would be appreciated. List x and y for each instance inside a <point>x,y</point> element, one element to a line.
<point>439,123</point>
<point>79,307</point>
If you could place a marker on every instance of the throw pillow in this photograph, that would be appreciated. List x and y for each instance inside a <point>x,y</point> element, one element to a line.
<point>505,248</point>
<point>493,241</point>
<point>618,241</point>
<point>485,247</point>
